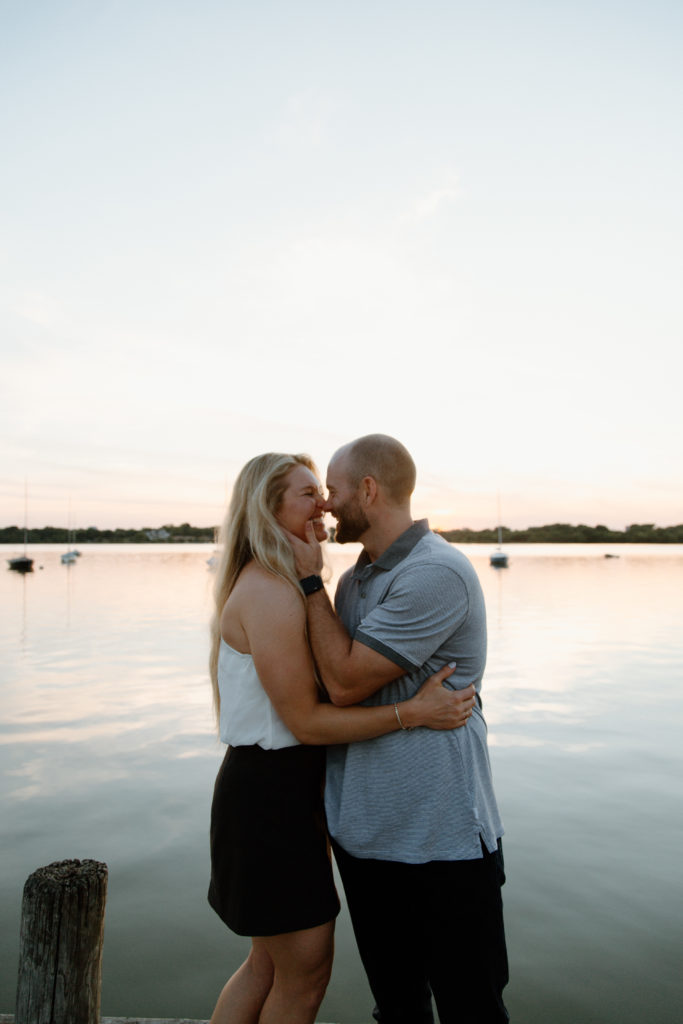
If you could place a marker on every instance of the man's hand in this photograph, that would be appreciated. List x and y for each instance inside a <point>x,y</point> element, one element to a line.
<point>308,554</point>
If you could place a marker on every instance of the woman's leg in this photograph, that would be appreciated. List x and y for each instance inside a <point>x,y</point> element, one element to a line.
<point>303,964</point>
<point>242,998</point>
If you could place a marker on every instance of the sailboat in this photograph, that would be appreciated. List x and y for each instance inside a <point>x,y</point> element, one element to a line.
<point>212,562</point>
<point>498,558</point>
<point>22,563</point>
<point>70,556</point>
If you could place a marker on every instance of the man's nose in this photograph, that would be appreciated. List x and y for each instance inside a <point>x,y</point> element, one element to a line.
<point>327,505</point>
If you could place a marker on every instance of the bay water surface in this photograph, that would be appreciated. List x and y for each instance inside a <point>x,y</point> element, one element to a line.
<point>108,751</point>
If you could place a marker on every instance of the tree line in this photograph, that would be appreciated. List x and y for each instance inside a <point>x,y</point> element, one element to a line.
<point>167,534</point>
<point>556,533</point>
<point>566,533</point>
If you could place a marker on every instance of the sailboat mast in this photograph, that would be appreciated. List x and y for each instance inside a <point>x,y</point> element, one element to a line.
<point>25,514</point>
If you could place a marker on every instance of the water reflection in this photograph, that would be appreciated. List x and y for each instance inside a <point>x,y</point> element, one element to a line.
<point>108,750</point>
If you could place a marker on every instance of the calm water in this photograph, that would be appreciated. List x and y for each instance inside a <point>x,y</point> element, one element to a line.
<point>107,751</point>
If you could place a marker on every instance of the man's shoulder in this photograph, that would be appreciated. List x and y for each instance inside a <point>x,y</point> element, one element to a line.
<point>435,565</point>
<point>432,549</point>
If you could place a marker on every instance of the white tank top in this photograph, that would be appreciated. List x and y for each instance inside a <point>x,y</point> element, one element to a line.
<point>247,714</point>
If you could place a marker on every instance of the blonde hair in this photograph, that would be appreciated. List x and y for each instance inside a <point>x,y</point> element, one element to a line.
<point>251,531</point>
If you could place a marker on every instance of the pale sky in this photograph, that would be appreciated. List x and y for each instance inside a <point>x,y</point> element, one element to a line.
<point>228,228</point>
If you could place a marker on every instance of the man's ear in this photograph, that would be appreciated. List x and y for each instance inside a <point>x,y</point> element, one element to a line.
<point>368,489</point>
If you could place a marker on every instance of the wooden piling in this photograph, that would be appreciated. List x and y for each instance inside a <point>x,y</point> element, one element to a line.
<point>62,930</point>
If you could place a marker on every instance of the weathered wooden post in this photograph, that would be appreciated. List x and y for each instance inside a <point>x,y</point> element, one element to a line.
<point>62,929</point>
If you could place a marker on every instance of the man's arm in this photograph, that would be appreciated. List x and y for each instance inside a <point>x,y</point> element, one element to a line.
<point>350,670</point>
<point>277,643</point>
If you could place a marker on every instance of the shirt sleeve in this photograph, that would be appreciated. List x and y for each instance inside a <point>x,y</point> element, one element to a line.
<point>423,607</point>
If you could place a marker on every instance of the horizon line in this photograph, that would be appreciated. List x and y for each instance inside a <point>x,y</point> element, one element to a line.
<point>442,529</point>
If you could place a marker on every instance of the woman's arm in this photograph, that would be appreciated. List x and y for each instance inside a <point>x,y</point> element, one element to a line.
<point>274,619</point>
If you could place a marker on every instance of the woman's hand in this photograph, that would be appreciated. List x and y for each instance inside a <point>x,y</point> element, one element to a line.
<point>437,707</point>
<point>308,554</point>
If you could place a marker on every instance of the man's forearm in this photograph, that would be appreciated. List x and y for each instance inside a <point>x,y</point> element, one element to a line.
<point>344,671</point>
<point>331,646</point>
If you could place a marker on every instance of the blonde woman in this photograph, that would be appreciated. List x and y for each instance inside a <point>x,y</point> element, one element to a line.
<point>271,876</point>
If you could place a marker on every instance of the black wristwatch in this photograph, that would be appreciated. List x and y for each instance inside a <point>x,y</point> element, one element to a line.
<point>310,584</point>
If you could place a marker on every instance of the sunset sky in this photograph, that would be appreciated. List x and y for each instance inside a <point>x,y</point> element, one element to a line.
<point>230,227</point>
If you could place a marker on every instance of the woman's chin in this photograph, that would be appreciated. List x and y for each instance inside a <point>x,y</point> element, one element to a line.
<point>320,532</point>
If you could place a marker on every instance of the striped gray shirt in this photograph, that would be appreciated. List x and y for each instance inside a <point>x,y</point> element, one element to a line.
<point>420,795</point>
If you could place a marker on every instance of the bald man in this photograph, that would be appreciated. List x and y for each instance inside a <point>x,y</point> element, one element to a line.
<point>413,817</point>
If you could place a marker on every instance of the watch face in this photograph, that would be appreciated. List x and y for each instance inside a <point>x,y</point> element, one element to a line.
<point>311,584</point>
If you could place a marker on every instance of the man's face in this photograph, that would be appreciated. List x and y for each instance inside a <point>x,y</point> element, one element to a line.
<point>343,502</point>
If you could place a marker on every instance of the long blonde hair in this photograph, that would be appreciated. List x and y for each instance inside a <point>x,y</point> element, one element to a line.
<point>251,531</point>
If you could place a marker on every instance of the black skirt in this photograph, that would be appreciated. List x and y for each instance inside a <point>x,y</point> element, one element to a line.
<point>270,862</point>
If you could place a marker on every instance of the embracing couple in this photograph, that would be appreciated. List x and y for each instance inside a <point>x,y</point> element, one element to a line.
<point>376,701</point>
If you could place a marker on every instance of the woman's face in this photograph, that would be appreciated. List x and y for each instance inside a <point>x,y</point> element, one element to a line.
<point>302,501</point>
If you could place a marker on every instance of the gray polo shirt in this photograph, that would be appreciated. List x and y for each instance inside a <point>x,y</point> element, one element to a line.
<point>417,795</point>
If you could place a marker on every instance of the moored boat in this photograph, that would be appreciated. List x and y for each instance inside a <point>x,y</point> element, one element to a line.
<point>498,559</point>
<point>21,563</point>
<point>70,556</point>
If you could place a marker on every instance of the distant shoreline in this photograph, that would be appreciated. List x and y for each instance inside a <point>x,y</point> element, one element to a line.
<point>555,533</point>
<point>566,533</point>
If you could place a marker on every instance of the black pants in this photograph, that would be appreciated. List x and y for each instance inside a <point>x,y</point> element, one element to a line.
<point>434,928</point>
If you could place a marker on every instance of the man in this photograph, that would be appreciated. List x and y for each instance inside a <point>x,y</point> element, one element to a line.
<point>413,816</point>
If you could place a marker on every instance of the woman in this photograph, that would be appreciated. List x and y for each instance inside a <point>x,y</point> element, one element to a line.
<point>271,876</point>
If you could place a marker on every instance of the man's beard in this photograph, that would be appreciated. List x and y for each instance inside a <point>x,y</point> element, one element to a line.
<point>351,522</point>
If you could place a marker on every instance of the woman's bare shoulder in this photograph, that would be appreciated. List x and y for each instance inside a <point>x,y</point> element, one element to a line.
<point>257,586</point>
<point>260,605</point>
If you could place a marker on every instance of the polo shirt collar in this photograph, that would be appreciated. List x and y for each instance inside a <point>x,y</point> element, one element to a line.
<point>397,551</point>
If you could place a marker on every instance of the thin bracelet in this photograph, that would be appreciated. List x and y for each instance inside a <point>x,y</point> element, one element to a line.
<point>406,728</point>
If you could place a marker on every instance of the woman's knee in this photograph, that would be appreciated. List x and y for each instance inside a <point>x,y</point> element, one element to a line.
<point>320,973</point>
<point>305,989</point>
<point>303,960</point>
<point>260,965</point>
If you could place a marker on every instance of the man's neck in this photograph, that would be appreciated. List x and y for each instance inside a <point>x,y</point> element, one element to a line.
<point>382,534</point>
